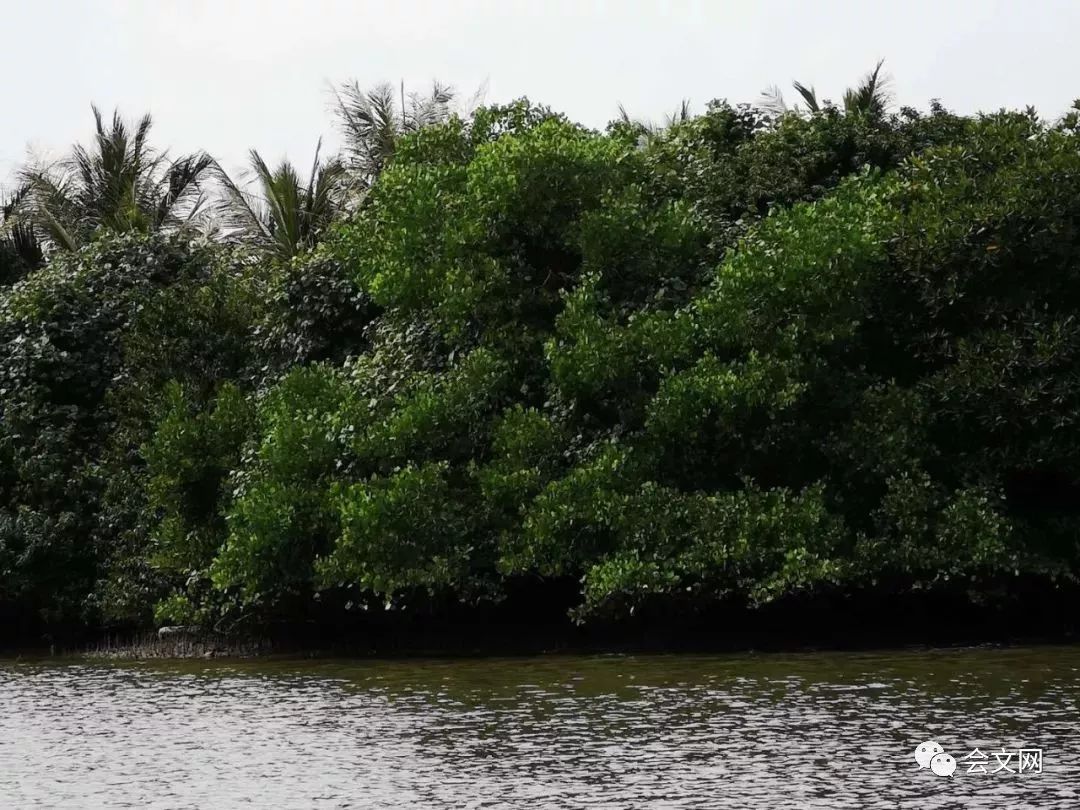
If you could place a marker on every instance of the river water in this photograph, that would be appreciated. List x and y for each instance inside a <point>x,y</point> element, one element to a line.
<point>836,730</point>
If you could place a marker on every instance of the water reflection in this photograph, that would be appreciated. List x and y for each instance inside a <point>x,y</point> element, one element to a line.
<point>800,731</point>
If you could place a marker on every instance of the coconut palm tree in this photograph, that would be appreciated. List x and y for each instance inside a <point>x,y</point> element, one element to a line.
<point>373,121</point>
<point>120,184</point>
<point>870,97</point>
<point>284,215</point>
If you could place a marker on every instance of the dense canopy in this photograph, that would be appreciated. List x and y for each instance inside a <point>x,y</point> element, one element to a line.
<point>755,355</point>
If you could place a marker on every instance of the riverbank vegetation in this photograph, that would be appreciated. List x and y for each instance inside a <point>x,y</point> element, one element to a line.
<point>757,355</point>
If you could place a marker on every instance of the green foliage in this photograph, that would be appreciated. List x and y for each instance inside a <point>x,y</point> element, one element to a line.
<point>62,337</point>
<point>750,544</point>
<point>188,460</point>
<point>311,311</point>
<point>280,516</point>
<point>741,359</point>
<point>398,533</point>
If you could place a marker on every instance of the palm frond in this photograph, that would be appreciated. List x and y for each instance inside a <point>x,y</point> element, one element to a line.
<point>51,201</point>
<point>428,109</point>
<point>287,214</point>
<point>117,183</point>
<point>643,129</point>
<point>372,121</point>
<point>18,235</point>
<point>871,96</point>
<point>179,197</point>
<point>772,101</point>
<point>369,123</point>
<point>808,95</point>
<point>242,215</point>
<point>57,231</point>
<point>681,115</point>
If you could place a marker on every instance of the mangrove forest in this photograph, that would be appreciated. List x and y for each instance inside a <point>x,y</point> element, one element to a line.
<point>487,359</point>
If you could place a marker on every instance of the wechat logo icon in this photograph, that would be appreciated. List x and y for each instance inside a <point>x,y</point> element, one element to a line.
<point>931,755</point>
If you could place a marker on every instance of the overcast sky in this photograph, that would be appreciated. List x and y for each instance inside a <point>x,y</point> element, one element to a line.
<point>227,75</point>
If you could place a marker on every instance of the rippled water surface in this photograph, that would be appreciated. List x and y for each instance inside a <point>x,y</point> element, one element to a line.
<point>800,731</point>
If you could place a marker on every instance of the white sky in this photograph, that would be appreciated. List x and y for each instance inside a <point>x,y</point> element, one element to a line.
<point>227,75</point>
